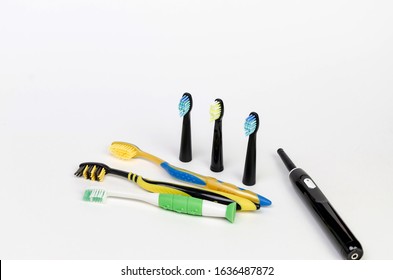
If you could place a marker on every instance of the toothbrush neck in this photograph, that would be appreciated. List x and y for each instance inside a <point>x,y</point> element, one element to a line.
<point>150,157</point>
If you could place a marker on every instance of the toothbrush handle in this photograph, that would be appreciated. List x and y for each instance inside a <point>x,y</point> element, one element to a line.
<point>183,175</point>
<point>206,195</point>
<point>213,184</point>
<point>349,246</point>
<point>195,206</point>
<point>185,204</point>
<point>181,204</point>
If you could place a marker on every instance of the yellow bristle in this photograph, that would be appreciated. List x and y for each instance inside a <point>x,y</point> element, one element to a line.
<point>85,172</point>
<point>215,111</point>
<point>100,176</point>
<point>123,151</point>
<point>93,173</point>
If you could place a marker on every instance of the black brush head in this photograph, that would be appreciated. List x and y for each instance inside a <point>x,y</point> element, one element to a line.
<point>94,171</point>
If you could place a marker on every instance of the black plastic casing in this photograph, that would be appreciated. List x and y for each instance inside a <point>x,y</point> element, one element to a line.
<point>217,164</point>
<point>185,142</point>
<point>347,243</point>
<point>249,173</point>
<point>250,164</point>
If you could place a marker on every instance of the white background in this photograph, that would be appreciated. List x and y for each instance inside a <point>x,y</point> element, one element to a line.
<point>77,75</point>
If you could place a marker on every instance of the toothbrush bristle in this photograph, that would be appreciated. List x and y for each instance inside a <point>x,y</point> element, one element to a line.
<point>184,105</point>
<point>95,195</point>
<point>251,124</point>
<point>93,172</point>
<point>84,172</point>
<point>123,150</point>
<point>101,173</point>
<point>215,110</point>
<point>86,195</point>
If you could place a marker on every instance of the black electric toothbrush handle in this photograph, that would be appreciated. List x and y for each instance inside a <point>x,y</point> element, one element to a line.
<point>350,247</point>
<point>217,154</point>
<point>249,173</point>
<point>185,144</point>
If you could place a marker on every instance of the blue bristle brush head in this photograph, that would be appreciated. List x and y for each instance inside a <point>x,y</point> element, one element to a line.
<point>185,104</point>
<point>251,124</point>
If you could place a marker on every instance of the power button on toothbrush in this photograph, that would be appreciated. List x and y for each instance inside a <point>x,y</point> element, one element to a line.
<point>309,183</point>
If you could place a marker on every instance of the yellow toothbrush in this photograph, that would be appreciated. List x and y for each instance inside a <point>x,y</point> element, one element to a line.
<point>127,151</point>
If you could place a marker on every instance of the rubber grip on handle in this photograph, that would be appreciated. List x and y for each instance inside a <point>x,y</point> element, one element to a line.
<point>181,204</point>
<point>182,174</point>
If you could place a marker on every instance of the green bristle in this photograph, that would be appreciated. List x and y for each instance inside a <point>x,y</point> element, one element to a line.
<point>95,195</point>
<point>86,196</point>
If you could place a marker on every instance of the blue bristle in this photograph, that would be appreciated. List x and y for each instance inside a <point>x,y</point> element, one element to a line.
<point>250,125</point>
<point>184,105</point>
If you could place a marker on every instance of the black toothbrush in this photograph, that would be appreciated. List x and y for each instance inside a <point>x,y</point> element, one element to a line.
<point>350,247</point>
<point>96,171</point>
